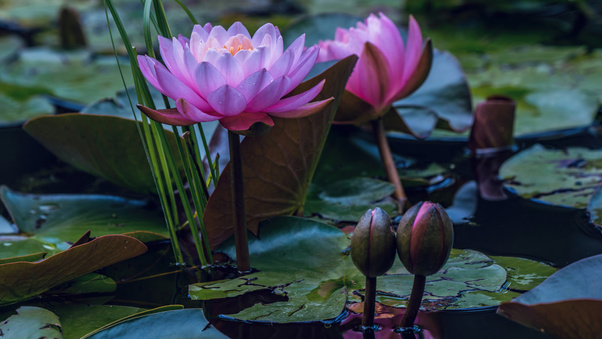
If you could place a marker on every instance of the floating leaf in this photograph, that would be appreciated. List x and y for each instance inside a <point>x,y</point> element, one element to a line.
<point>59,218</point>
<point>278,165</point>
<point>89,283</point>
<point>18,246</point>
<point>23,280</point>
<point>101,145</point>
<point>305,262</point>
<point>349,199</point>
<point>31,322</point>
<point>186,323</point>
<point>565,178</point>
<point>566,305</point>
<point>295,257</point>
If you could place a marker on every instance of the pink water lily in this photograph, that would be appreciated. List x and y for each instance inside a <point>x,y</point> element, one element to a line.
<point>387,70</point>
<point>231,76</point>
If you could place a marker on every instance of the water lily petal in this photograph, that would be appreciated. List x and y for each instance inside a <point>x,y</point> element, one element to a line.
<point>202,31</point>
<point>244,121</point>
<point>171,50</point>
<point>220,34</point>
<point>254,83</point>
<point>413,49</point>
<point>269,95</point>
<point>227,100</point>
<point>295,101</point>
<point>258,59</point>
<point>263,31</point>
<point>238,28</point>
<point>419,75</point>
<point>305,110</point>
<point>147,67</point>
<point>194,114</point>
<point>208,78</point>
<point>170,116</point>
<point>283,65</point>
<point>176,89</point>
<point>230,69</point>
<point>297,46</point>
<point>373,76</point>
<point>308,60</point>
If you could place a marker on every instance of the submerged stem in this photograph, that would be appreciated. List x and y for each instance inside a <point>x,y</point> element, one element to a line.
<point>238,204</point>
<point>387,158</point>
<point>414,303</point>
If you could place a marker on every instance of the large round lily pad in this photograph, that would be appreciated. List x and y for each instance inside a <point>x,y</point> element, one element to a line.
<point>307,262</point>
<point>566,178</point>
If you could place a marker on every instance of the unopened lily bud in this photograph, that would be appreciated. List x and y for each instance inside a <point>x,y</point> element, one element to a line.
<point>373,243</point>
<point>425,236</point>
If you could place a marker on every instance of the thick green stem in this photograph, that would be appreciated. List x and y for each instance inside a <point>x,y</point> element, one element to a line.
<point>387,158</point>
<point>238,204</point>
<point>369,303</point>
<point>414,303</point>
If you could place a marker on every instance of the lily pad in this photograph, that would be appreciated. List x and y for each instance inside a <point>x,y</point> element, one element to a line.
<point>186,323</point>
<point>565,305</point>
<point>23,280</point>
<point>31,322</point>
<point>306,262</point>
<point>349,199</point>
<point>59,218</point>
<point>80,81</point>
<point>19,246</point>
<point>101,145</point>
<point>566,178</point>
<point>20,111</point>
<point>9,46</point>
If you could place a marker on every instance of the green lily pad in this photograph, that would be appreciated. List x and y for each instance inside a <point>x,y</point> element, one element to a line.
<point>539,111</point>
<point>101,145</point>
<point>535,54</point>
<point>186,323</point>
<point>23,280</point>
<point>17,246</point>
<point>59,218</point>
<point>31,322</point>
<point>349,199</point>
<point>80,81</point>
<point>295,257</point>
<point>565,178</point>
<point>14,111</point>
<point>306,261</point>
<point>9,46</point>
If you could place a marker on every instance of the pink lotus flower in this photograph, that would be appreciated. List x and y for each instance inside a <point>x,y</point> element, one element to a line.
<point>387,70</point>
<point>231,76</point>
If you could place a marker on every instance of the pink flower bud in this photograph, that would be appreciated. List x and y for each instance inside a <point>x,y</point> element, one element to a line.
<point>425,236</point>
<point>373,243</point>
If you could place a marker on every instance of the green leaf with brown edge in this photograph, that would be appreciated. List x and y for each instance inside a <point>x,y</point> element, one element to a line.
<point>566,305</point>
<point>23,280</point>
<point>106,146</point>
<point>278,166</point>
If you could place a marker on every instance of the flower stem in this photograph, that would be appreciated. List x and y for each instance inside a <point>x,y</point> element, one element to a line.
<point>414,303</point>
<point>369,303</point>
<point>238,204</point>
<point>387,158</point>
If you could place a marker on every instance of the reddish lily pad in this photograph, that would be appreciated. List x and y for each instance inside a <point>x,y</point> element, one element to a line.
<point>278,165</point>
<point>102,145</point>
<point>566,305</point>
<point>23,280</point>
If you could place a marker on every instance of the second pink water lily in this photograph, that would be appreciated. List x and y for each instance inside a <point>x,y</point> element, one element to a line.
<point>231,76</point>
<point>387,70</point>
